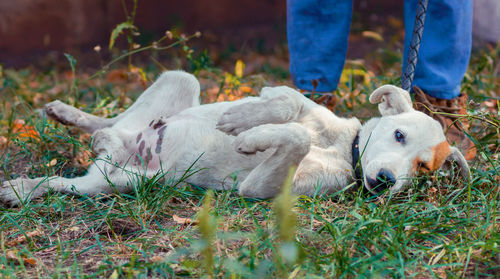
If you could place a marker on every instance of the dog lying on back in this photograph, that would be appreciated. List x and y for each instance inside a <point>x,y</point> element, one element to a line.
<point>249,144</point>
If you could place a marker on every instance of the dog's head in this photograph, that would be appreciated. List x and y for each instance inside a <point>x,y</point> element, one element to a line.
<point>402,143</point>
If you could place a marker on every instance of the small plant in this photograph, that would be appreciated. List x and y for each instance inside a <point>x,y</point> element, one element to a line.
<point>286,219</point>
<point>207,227</point>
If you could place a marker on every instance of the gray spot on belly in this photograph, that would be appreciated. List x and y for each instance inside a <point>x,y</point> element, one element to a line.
<point>139,136</point>
<point>159,142</point>
<point>141,147</point>
<point>159,124</point>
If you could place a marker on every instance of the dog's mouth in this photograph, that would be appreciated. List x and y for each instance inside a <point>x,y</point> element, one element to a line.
<point>379,185</point>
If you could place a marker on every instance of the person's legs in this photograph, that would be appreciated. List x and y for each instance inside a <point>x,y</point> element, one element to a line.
<point>317,41</point>
<point>445,48</point>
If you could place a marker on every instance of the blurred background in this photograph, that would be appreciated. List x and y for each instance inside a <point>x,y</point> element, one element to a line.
<point>40,31</point>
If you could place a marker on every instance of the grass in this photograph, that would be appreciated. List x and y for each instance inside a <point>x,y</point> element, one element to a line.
<point>440,227</point>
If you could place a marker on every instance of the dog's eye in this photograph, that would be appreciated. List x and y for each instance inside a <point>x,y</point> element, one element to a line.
<point>399,136</point>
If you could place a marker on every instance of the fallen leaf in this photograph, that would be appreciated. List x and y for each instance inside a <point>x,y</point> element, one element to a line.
<point>155,259</point>
<point>239,68</point>
<point>373,35</point>
<point>73,229</point>
<point>3,140</point>
<point>24,131</point>
<point>142,75</point>
<point>246,89</point>
<point>29,261</point>
<point>22,238</point>
<point>11,254</point>
<point>116,76</point>
<point>39,98</point>
<point>395,22</point>
<point>14,255</point>
<point>184,221</point>
<point>114,275</point>
<point>82,158</point>
<point>52,163</point>
<point>347,73</point>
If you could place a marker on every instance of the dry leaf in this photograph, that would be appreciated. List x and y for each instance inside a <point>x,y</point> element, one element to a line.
<point>52,163</point>
<point>114,275</point>
<point>116,76</point>
<point>246,89</point>
<point>373,35</point>
<point>155,259</point>
<point>239,68</point>
<point>29,261</point>
<point>184,221</point>
<point>14,255</point>
<point>40,98</point>
<point>24,131</point>
<point>395,22</point>
<point>73,229</point>
<point>11,254</point>
<point>3,141</point>
<point>82,158</point>
<point>22,238</point>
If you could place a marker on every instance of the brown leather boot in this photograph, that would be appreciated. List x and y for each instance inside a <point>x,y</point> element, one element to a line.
<point>327,100</point>
<point>452,115</point>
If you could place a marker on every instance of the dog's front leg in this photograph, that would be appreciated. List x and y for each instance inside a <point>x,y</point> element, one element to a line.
<point>291,143</point>
<point>271,109</point>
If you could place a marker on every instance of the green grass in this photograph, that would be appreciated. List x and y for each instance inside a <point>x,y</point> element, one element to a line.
<point>440,227</point>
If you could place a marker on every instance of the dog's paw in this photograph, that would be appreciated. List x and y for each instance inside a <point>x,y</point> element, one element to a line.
<point>63,113</point>
<point>12,192</point>
<point>252,141</point>
<point>239,119</point>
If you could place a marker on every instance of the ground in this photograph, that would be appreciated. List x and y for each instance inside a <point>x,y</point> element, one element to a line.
<point>441,227</point>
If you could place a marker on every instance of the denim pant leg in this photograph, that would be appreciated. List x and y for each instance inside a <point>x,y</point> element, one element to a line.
<point>317,41</point>
<point>445,48</point>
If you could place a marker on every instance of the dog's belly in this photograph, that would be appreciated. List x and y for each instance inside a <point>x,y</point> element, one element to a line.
<point>188,142</point>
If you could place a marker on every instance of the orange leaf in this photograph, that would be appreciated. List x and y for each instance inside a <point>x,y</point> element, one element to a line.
<point>14,255</point>
<point>246,89</point>
<point>115,76</point>
<point>29,261</point>
<point>24,131</point>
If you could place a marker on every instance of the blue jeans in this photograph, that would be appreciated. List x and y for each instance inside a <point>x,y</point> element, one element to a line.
<point>317,41</point>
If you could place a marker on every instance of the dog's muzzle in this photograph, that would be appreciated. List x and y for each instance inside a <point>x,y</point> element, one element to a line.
<point>384,180</point>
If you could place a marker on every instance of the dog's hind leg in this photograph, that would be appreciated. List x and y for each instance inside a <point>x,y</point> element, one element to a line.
<point>69,115</point>
<point>101,178</point>
<point>171,93</point>
<point>115,170</point>
<point>291,143</point>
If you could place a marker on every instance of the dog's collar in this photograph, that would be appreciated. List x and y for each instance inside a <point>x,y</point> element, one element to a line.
<point>356,165</point>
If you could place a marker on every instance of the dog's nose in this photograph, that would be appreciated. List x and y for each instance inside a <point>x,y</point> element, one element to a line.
<point>385,180</point>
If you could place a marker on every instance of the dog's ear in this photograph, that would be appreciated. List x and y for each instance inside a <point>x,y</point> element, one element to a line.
<point>392,99</point>
<point>457,157</point>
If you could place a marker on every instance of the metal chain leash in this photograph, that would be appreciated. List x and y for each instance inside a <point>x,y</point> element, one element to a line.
<point>411,61</point>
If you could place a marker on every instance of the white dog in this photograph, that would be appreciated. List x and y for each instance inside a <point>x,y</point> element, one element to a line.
<point>249,144</point>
